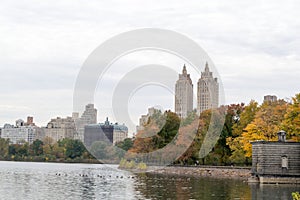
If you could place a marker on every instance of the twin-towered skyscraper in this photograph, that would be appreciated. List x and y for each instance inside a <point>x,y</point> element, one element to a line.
<point>207,92</point>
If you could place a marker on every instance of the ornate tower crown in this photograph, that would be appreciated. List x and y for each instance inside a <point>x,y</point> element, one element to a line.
<point>206,67</point>
<point>184,70</point>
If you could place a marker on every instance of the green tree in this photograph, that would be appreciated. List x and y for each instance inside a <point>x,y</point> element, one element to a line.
<point>125,144</point>
<point>19,150</point>
<point>72,148</point>
<point>12,150</point>
<point>4,148</point>
<point>231,118</point>
<point>169,130</point>
<point>37,148</point>
<point>99,150</point>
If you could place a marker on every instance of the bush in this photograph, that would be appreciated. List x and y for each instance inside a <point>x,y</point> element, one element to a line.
<point>296,196</point>
<point>124,164</point>
<point>142,166</point>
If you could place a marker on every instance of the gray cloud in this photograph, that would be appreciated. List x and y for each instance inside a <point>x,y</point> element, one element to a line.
<point>255,46</point>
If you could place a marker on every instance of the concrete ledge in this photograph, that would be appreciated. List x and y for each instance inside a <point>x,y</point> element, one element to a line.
<point>279,180</point>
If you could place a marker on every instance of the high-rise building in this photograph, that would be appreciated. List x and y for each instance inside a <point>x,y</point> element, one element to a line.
<point>89,116</point>
<point>20,133</point>
<point>208,91</point>
<point>94,133</point>
<point>75,115</point>
<point>120,133</point>
<point>183,94</point>
<point>144,118</point>
<point>58,129</point>
<point>106,132</point>
<point>270,98</point>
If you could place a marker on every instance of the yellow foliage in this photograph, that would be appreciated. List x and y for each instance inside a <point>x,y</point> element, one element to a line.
<point>142,166</point>
<point>291,123</point>
<point>250,134</point>
<point>264,126</point>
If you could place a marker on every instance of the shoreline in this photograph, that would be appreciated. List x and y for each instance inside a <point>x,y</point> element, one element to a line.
<point>88,161</point>
<point>242,173</point>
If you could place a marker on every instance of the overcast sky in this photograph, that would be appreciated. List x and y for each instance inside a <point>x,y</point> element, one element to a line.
<point>255,46</point>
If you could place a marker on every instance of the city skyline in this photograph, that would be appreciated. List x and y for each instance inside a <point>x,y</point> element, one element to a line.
<point>90,115</point>
<point>43,46</point>
<point>204,75</point>
<point>113,99</point>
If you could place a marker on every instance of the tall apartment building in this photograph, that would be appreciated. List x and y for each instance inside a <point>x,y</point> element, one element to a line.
<point>270,98</point>
<point>20,133</point>
<point>58,129</point>
<point>89,116</point>
<point>120,133</point>
<point>107,131</point>
<point>183,94</point>
<point>144,118</point>
<point>208,91</point>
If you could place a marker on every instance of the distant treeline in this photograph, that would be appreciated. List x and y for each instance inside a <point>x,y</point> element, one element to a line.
<point>66,150</point>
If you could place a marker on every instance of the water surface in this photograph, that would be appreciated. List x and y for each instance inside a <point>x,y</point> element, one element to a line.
<point>24,180</point>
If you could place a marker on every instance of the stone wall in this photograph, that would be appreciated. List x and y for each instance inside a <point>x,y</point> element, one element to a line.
<point>203,171</point>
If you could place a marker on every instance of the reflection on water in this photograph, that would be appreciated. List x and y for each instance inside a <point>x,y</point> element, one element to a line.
<point>168,187</point>
<point>64,181</point>
<point>20,180</point>
<point>273,191</point>
<point>172,187</point>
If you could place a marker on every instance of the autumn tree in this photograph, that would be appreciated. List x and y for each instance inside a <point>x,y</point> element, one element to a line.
<point>291,122</point>
<point>264,126</point>
<point>246,116</point>
<point>157,137</point>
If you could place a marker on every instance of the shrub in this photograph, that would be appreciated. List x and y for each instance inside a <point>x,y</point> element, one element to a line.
<point>296,195</point>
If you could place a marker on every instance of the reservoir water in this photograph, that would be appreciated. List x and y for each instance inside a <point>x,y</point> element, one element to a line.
<point>24,180</point>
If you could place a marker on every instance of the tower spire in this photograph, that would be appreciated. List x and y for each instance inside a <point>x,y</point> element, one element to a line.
<point>184,70</point>
<point>206,67</point>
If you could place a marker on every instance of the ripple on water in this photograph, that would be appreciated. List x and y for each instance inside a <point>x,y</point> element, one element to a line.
<point>19,180</point>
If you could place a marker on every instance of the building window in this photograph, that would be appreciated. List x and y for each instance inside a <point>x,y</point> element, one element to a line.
<point>284,162</point>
